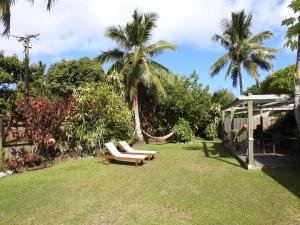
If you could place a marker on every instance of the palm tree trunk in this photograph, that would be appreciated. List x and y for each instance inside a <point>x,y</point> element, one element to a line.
<point>135,107</point>
<point>241,82</point>
<point>297,87</point>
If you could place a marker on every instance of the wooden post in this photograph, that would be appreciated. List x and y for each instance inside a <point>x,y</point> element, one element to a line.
<point>1,132</point>
<point>250,132</point>
<point>232,125</point>
<point>222,124</point>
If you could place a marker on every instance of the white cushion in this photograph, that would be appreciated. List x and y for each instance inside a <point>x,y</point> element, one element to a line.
<point>129,149</point>
<point>114,151</point>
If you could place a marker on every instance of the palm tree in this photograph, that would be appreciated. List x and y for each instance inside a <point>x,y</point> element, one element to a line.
<point>244,51</point>
<point>5,7</point>
<point>133,59</point>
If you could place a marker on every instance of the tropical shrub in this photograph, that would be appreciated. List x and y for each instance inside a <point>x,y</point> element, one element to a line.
<point>187,99</point>
<point>182,131</point>
<point>21,158</point>
<point>210,132</point>
<point>43,118</point>
<point>100,115</point>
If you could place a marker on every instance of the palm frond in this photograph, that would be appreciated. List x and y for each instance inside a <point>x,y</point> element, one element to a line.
<point>261,36</point>
<point>162,73</point>
<point>229,70</point>
<point>251,68</point>
<point>148,24</point>
<point>219,64</point>
<point>5,15</point>
<point>158,48</point>
<point>118,34</point>
<point>262,63</point>
<point>149,78</point>
<point>110,55</point>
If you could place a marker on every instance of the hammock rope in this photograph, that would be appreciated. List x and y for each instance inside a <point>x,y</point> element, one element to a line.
<point>159,138</point>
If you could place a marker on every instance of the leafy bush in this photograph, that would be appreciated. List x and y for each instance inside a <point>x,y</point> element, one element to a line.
<point>2,155</point>
<point>187,99</point>
<point>182,131</point>
<point>100,115</point>
<point>210,132</point>
<point>21,158</point>
<point>43,118</point>
<point>280,82</point>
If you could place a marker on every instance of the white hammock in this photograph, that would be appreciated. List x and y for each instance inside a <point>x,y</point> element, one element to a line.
<point>159,138</point>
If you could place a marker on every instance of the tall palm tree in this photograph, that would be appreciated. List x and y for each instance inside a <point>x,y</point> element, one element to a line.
<point>133,59</point>
<point>244,51</point>
<point>5,7</point>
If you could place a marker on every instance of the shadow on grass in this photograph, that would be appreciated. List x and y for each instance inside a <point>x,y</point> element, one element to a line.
<point>123,163</point>
<point>215,151</point>
<point>287,177</point>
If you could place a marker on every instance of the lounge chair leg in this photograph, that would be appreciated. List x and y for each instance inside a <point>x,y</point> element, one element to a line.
<point>274,151</point>
<point>106,162</point>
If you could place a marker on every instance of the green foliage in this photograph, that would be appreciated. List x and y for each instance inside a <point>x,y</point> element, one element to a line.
<point>185,99</point>
<point>285,124</point>
<point>210,132</point>
<point>11,70</point>
<point>116,81</point>
<point>2,159</point>
<point>100,115</point>
<point>293,25</point>
<point>11,74</point>
<point>280,82</point>
<point>63,77</point>
<point>222,97</point>
<point>182,131</point>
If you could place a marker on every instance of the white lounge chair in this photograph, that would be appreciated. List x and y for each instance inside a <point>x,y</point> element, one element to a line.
<point>129,150</point>
<point>115,154</point>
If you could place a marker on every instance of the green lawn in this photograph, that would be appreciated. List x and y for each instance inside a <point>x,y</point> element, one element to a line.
<point>199,183</point>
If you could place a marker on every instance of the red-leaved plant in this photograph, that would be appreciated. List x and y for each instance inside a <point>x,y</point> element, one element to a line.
<point>43,117</point>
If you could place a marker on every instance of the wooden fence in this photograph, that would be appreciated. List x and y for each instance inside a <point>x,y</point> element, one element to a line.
<point>12,132</point>
<point>235,127</point>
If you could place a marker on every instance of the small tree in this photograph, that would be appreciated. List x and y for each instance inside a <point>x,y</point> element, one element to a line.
<point>134,59</point>
<point>64,76</point>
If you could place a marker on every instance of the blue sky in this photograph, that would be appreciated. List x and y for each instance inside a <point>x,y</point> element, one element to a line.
<point>75,29</point>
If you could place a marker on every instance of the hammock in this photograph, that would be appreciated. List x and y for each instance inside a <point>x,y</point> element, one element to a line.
<point>159,138</point>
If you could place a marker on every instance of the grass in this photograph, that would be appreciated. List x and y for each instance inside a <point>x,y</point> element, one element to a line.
<point>198,183</point>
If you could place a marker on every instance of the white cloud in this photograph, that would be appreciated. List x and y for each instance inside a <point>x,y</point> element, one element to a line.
<point>79,25</point>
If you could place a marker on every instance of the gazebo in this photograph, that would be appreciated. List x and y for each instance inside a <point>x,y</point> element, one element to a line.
<point>254,105</point>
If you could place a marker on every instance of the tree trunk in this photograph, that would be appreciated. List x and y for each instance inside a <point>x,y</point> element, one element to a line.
<point>297,87</point>
<point>241,82</point>
<point>138,130</point>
